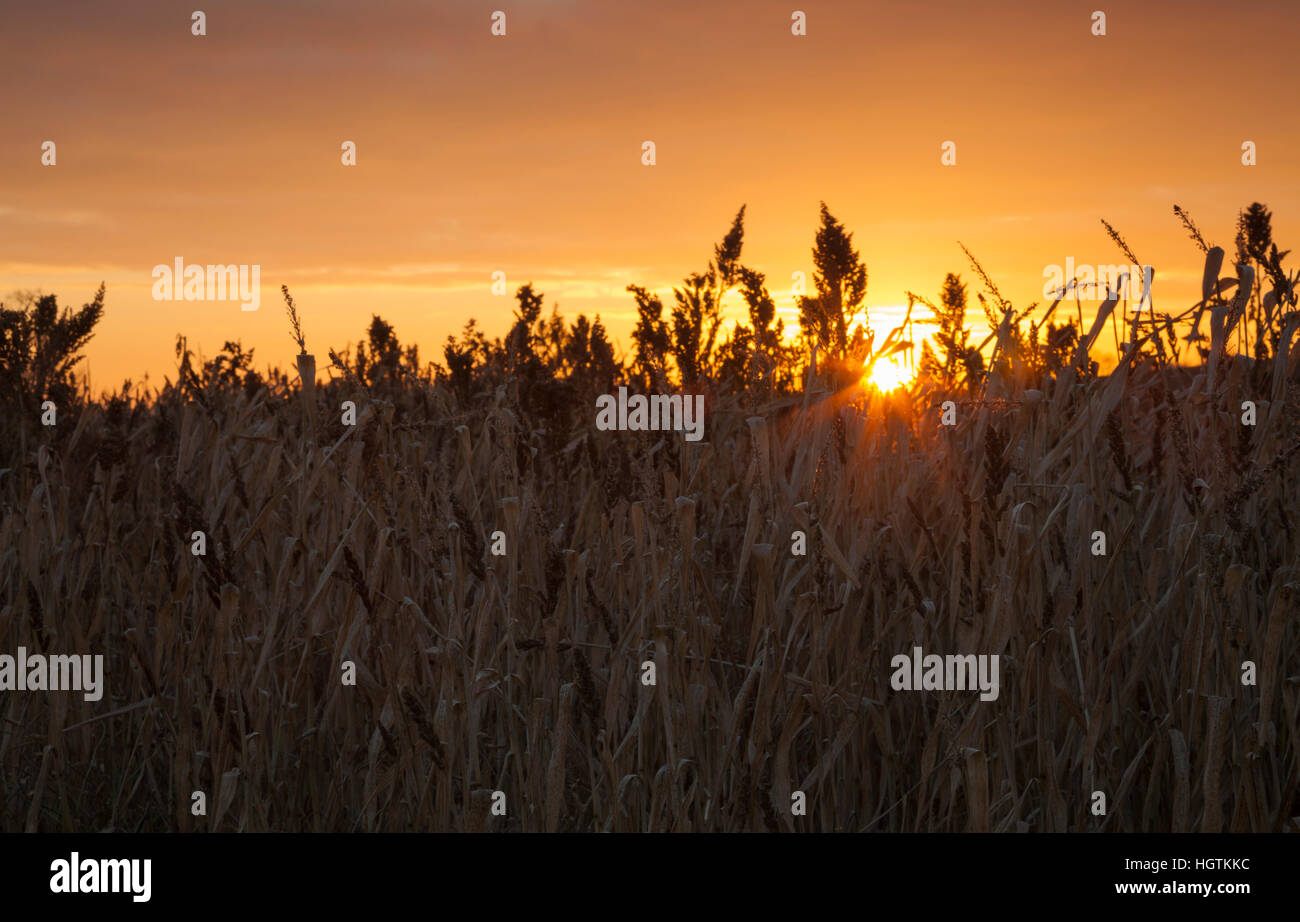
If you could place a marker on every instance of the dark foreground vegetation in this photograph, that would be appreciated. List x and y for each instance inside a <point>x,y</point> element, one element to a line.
<point>1163,673</point>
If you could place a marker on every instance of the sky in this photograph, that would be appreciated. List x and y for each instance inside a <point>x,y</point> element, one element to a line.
<point>522,153</point>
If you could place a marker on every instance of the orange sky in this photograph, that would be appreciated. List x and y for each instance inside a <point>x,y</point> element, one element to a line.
<point>523,153</point>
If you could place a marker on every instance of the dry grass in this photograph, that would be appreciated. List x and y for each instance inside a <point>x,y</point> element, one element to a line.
<point>522,673</point>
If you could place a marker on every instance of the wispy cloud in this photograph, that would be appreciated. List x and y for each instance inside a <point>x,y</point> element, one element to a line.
<point>67,218</point>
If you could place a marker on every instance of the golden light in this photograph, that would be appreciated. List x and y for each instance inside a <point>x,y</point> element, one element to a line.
<point>889,374</point>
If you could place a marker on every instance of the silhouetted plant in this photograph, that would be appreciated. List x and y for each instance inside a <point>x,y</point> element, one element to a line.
<point>232,367</point>
<point>952,338</point>
<point>840,276</point>
<point>295,325</point>
<point>1255,248</point>
<point>527,335</point>
<point>698,313</point>
<point>651,339</point>
<point>40,347</point>
<point>589,356</point>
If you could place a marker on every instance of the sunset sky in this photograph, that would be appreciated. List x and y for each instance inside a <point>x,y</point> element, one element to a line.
<point>522,153</point>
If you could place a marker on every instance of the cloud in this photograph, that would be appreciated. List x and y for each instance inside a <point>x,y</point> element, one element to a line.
<point>67,218</point>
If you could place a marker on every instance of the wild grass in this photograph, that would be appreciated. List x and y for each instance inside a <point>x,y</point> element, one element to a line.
<point>522,673</point>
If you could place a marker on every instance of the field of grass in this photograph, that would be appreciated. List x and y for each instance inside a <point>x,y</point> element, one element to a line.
<point>522,673</point>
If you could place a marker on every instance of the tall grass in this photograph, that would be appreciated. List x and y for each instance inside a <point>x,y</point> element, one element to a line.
<point>476,673</point>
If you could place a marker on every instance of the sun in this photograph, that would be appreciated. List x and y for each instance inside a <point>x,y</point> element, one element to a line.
<point>887,375</point>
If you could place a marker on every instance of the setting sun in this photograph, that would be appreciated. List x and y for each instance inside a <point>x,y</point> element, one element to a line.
<point>888,374</point>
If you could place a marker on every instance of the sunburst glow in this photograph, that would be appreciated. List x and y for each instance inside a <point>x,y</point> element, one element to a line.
<point>888,374</point>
